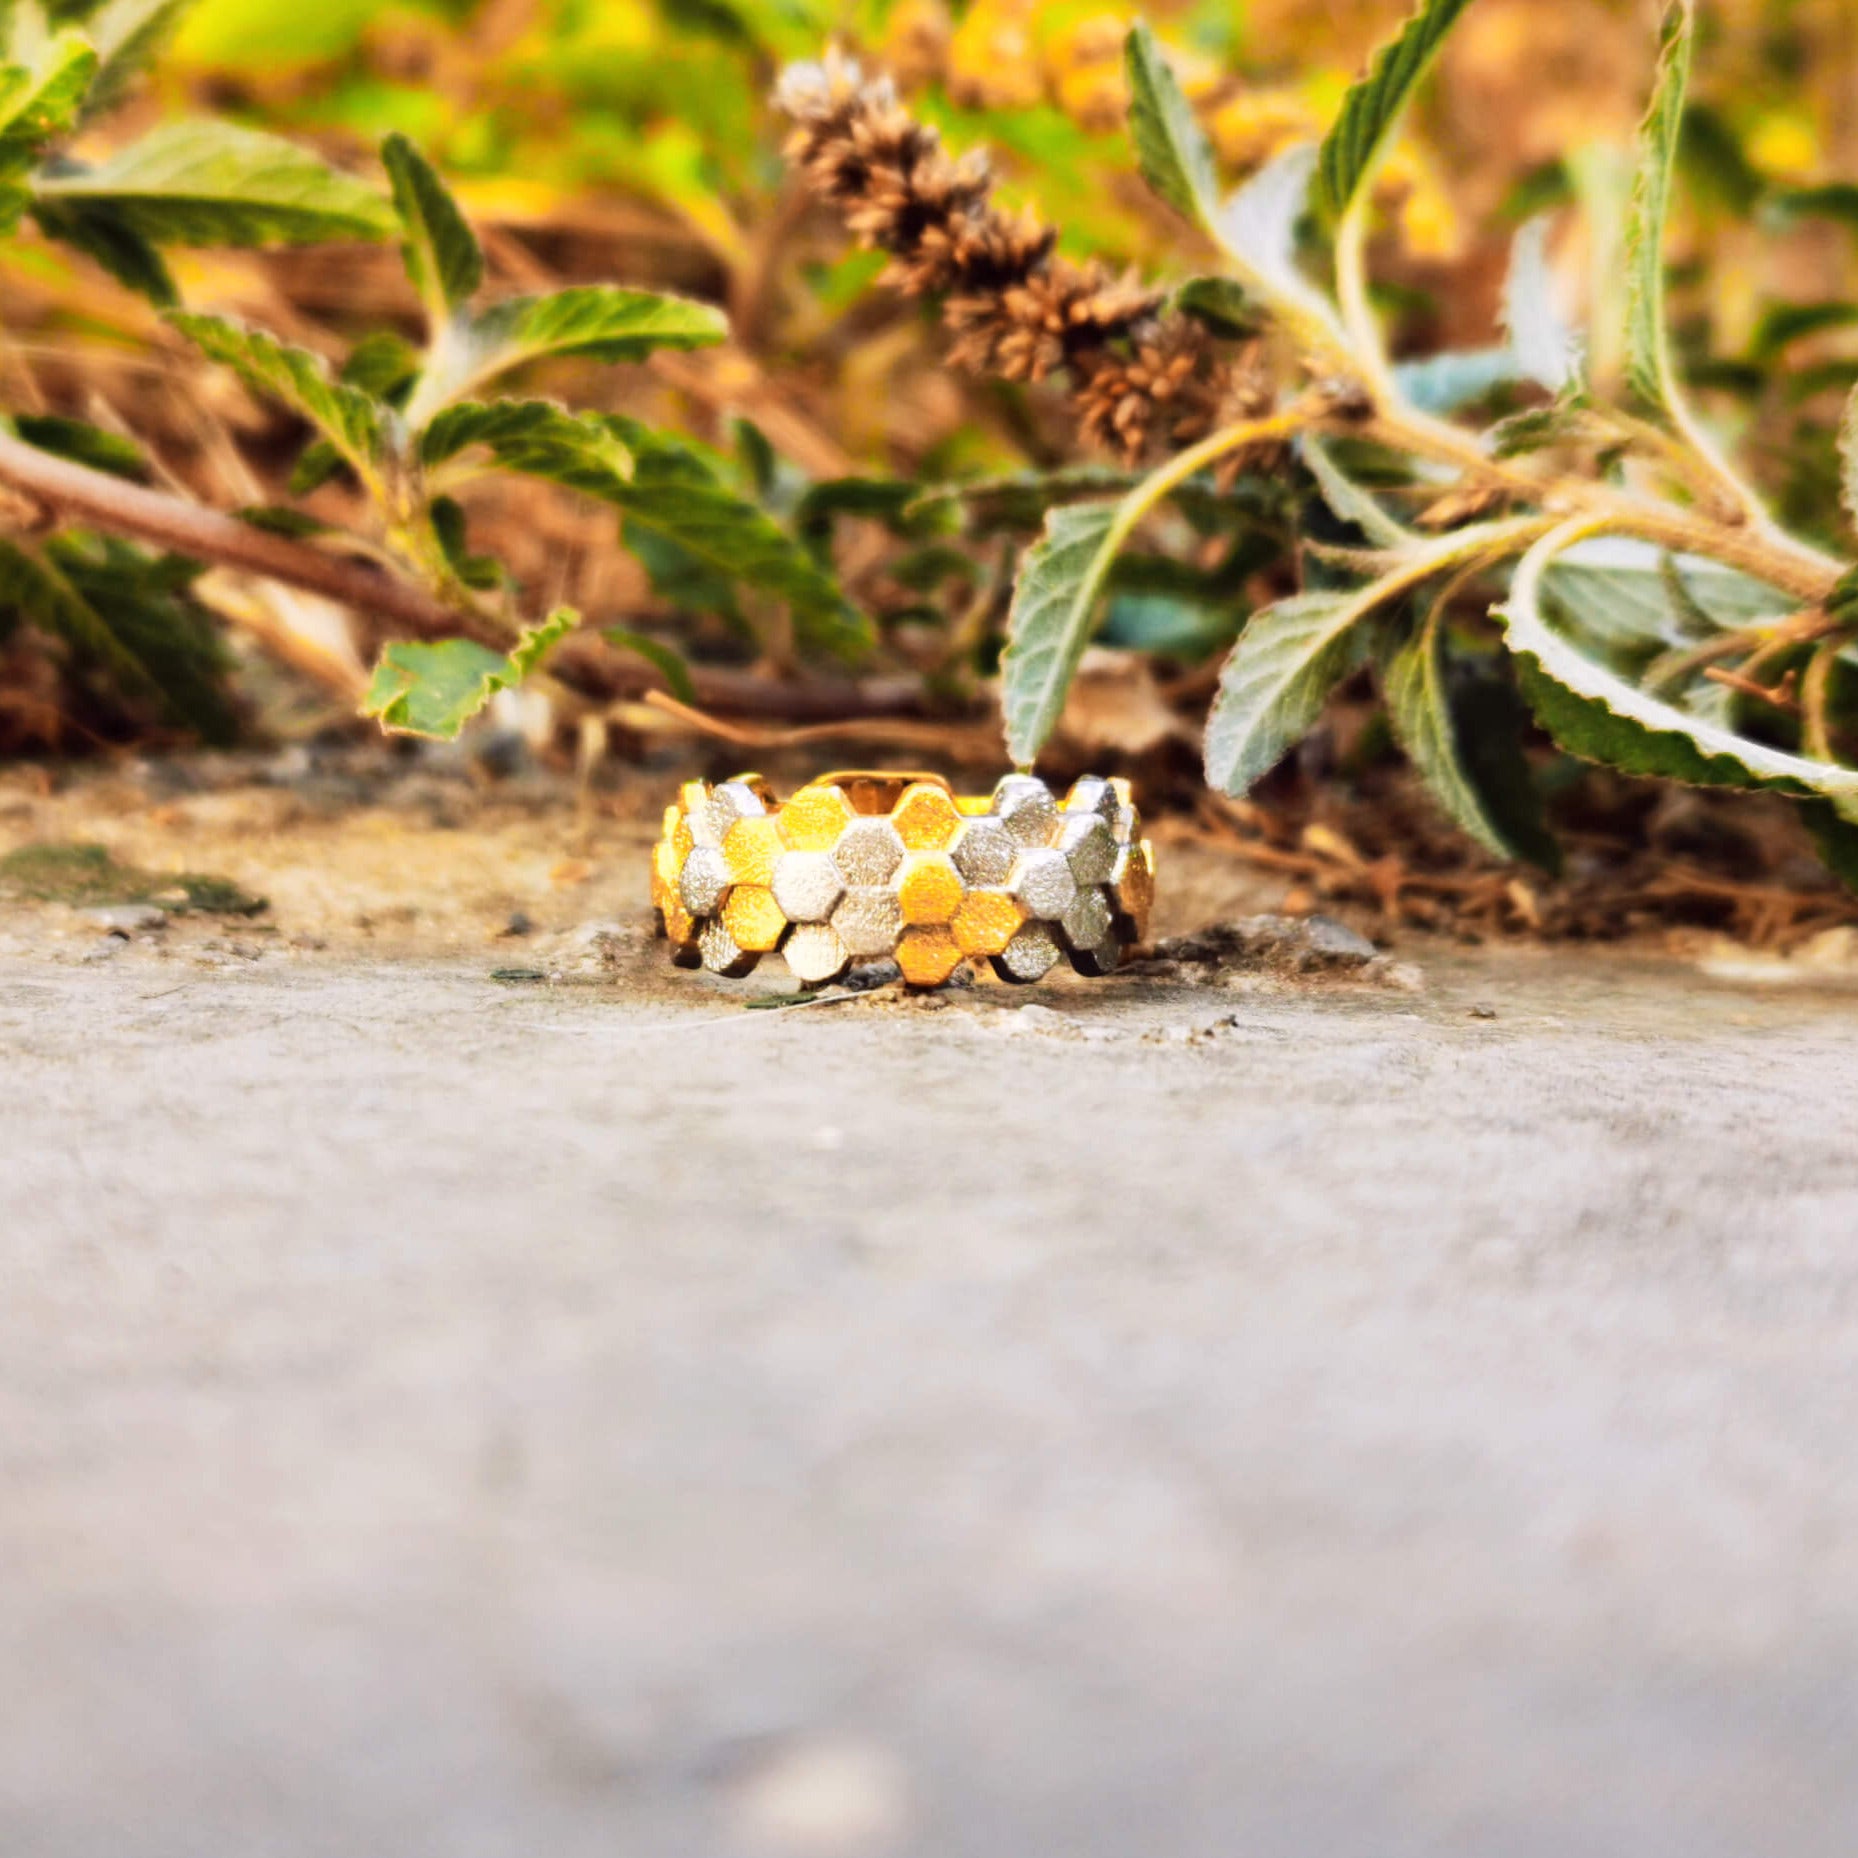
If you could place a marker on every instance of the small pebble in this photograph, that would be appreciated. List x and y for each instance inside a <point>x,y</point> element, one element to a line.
<point>128,918</point>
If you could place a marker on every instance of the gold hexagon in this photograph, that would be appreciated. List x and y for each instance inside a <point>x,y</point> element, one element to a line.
<point>679,924</point>
<point>925,818</point>
<point>753,918</point>
<point>929,888</point>
<point>664,872</point>
<point>691,796</point>
<point>750,848</point>
<point>813,819</point>
<point>986,921</point>
<point>928,955</point>
<point>1135,886</point>
<point>682,843</point>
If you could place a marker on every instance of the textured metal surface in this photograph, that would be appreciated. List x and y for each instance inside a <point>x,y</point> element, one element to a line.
<point>868,865</point>
<point>807,886</point>
<point>814,953</point>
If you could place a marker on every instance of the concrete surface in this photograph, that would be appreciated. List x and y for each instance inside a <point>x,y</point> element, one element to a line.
<point>445,1419</point>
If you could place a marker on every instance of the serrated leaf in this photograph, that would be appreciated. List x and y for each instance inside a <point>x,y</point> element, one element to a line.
<point>663,658</point>
<point>434,689</point>
<point>1291,655</point>
<point>97,230</point>
<point>1371,112</point>
<point>32,585</point>
<point>1257,227</point>
<point>480,572</point>
<point>1048,625</point>
<point>1276,680</point>
<point>209,183</point>
<point>1347,500</point>
<point>382,365</point>
<point>1593,712</point>
<point>38,105</point>
<point>596,322</point>
<point>1489,794</point>
<point>85,444</point>
<point>1648,344</point>
<point>441,252</point>
<point>539,439</point>
<point>1175,155</point>
<point>1614,592</point>
<point>346,417</point>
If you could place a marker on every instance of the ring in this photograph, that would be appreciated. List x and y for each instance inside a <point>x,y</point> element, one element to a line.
<point>860,867</point>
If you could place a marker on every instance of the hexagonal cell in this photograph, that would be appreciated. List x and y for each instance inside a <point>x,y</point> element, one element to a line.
<point>807,886</point>
<point>1089,847</point>
<point>750,848</point>
<point>704,881</point>
<point>1105,958</point>
<point>814,953</point>
<point>868,852</point>
<point>721,953</point>
<point>1042,881</point>
<point>665,868</point>
<point>753,917</point>
<point>1134,885</point>
<point>1024,806</point>
<point>985,852</point>
<point>813,819</point>
<point>1029,956</point>
<point>1093,794</point>
<point>681,841</point>
<point>693,797</point>
<point>928,955</point>
<point>925,818</point>
<point>731,801</point>
<point>987,921</point>
<point>1086,923</point>
<point>868,921</point>
<point>929,888</point>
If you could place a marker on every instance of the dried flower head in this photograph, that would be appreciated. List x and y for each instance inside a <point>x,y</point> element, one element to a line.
<point>1141,377</point>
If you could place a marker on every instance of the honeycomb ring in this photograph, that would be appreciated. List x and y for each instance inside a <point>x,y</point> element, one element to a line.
<point>859,867</point>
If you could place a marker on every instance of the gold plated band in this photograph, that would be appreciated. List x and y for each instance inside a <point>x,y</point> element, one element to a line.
<point>860,867</point>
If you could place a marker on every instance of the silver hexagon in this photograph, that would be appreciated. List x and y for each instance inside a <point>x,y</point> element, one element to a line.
<point>1042,881</point>
<point>733,800</point>
<point>1029,956</point>
<point>984,852</point>
<point>1090,847</point>
<point>1093,794</point>
<point>807,886</point>
<point>720,951</point>
<point>1024,806</point>
<point>868,920</point>
<point>704,881</point>
<point>1088,921</point>
<point>815,953</point>
<point>868,852</point>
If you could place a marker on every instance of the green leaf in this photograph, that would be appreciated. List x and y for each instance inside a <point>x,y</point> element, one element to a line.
<point>1649,367</point>
<point>1596,714</point>
<point>1481,780</point>
<point>1542,346</point>
<point>597,322</point>
<point>1347,500</point>
<point>435,689</point>
<point>1445,383</point>
<point>1834,837</point>
<point>84,444</point>
<point>317,464</point>
<point>442,255</point>
<point>539,439</point>
<point>382,365</point>
<point>1258,229</point>
<point>39,105</point>
<point>31,585</point>
<point>1371,112</point>
<point>1615,592</point>
<point>1785,323</point>
<point>101,233</point>
<point>1220,303</point>
<point>1175,155</point>
<point>663,658</point>
<point>208,183</point>
<point>345,416</point>
<point>1048,626</point>
<point>1291,655</point>
<point>127,34</point>
<point>481,572</point>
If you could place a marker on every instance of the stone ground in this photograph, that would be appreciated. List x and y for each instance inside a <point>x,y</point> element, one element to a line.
<point>1280,1417</point>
